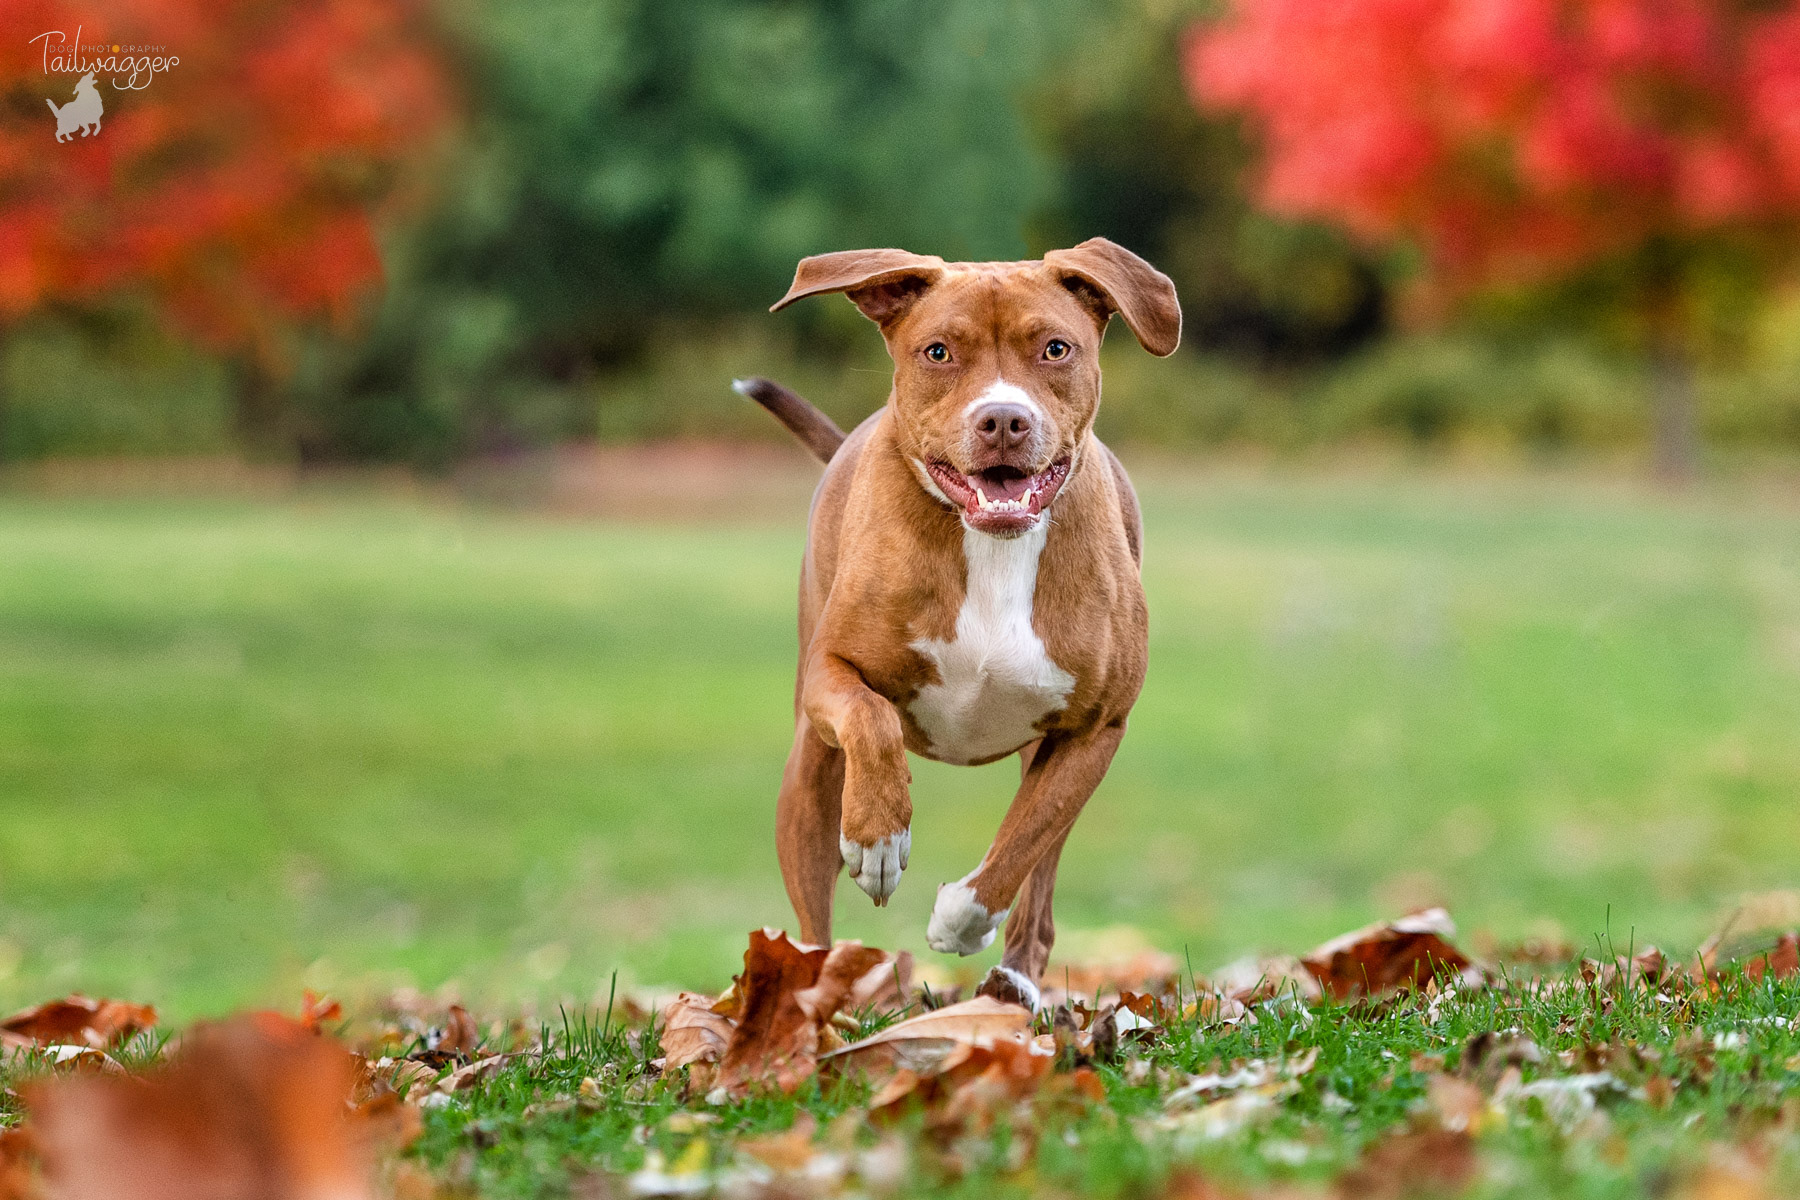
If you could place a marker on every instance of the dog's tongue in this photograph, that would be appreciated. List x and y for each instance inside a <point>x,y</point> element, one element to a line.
<point>1012,487</point>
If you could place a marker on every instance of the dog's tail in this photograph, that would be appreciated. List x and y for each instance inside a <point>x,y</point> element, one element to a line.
<point>53,107</point>
<point>816,431</point>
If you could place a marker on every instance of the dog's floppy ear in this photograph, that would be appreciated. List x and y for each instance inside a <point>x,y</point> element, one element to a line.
<point>1111,279</point>
<point>883,283</point>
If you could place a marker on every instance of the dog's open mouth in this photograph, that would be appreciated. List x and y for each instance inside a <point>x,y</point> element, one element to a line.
<point>1000,500</point>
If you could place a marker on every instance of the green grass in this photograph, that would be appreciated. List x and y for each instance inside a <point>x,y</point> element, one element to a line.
<point>357,741</point>
<point>1728,1058</point>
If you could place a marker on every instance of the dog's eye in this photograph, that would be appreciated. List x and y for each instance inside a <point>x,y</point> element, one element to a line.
<point>1056,349</point>
<point>937,352</point>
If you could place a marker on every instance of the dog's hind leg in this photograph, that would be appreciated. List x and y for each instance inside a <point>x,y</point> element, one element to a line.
<point>806,818</point>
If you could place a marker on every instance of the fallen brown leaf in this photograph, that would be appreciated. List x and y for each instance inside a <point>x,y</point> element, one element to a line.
<point>789,1150</point>
<point>1251,980</point>
<point>970,1088</point>
<point>692,1032</point>
<point>77,1020</point>
<point>1782,962</point>
<point>18,1179</point>
<point>784,1001</point>
<point>845,968</point>
<point>922,1043</point>
<point>479,1071</point>
<point>1143,970</point>
<point>1424,1161</point>
<point>240,1113</point>
<point>460,1036</point>
<point>1458,1104</point>
<point>389,1122</point>
<point>1388,955</point>
<point>775,1040</point>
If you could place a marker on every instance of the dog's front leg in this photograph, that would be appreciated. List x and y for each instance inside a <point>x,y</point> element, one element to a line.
<point>875,833</point>
<point>1063,773</point>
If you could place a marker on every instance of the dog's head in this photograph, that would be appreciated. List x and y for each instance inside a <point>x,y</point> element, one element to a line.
<point>996,365</point>
<point>86,81</point>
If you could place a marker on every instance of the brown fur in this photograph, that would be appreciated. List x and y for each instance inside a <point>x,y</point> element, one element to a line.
<point>885,567</point>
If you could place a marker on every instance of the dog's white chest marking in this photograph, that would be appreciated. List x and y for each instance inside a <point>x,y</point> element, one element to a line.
<point>996,680</point>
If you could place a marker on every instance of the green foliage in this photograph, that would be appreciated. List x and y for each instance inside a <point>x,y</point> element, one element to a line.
<point>633,165</point>
<point>108,385</point>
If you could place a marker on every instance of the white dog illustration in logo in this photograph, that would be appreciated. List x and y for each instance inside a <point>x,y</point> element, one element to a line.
<point>83,112</point>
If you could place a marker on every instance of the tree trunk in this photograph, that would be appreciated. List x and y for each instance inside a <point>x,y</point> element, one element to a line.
<point>1674,415</point>
<point>259,411</point>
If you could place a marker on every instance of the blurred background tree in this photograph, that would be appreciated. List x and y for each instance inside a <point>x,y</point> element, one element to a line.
<point>274,248</point>
<point>234,195</point>
<point>1641,157</point>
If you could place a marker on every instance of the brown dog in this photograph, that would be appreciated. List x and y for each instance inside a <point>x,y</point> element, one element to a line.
<point>970,588</point>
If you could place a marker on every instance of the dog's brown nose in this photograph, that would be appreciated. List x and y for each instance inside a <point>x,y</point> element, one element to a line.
<point>1003,426</point>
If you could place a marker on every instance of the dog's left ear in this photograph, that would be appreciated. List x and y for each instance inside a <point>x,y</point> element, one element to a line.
<point>1111,279</point>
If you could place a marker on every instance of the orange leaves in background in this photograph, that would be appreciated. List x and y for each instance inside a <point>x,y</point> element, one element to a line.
<point>238,187</point>
<point>1513,136</point>
<point>77,1021</point>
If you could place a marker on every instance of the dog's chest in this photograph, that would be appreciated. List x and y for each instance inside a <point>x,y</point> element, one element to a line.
<point>995,679</point>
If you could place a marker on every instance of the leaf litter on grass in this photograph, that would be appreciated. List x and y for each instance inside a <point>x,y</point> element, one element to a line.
<point>1385,1063</point>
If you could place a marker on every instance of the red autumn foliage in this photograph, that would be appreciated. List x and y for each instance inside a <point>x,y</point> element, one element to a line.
<point>1513,138</point>
<point>237,188</point>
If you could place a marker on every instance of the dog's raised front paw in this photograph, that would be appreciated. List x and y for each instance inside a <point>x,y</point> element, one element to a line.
<point>959,924</point>
<point>877,868</point>
<point>1011,987</point>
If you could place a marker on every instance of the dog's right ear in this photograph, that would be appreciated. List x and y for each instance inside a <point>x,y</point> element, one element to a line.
<point>883,283</point>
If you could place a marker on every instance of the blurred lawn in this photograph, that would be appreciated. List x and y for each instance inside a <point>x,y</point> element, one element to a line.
<point>356,740</point>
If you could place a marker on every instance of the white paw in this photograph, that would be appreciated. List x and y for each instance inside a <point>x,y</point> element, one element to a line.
<point>877,868</point>
<point>1004,983</point>
<point>959,924</point>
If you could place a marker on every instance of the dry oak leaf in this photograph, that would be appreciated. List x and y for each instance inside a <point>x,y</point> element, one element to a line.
<point>1142,970</point>
<point>786,997</point>
<point>924,1043</point>
<point>1459,1105</point>
<point>1424,1161</point>
<point>315,1010</point>
<point>1387,955</point>
<point>790,1150</point>
<point>460,1036</point>
<point>466,1077</point>
<point>18,1178</point>
<point>692,1032</point>
<point>388,1122</point>
<point>239,1113</point>
<point>1782,962</point>
<point>970,1088</point>
<point>79,1021</point>
<point>1252,979</point>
